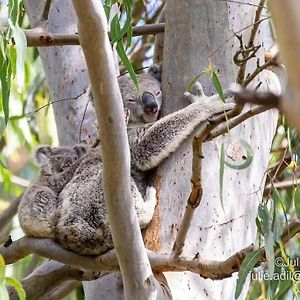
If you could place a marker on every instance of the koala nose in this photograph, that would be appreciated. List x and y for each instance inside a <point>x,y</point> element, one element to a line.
<point>149,102</point>
<point>68,159</point>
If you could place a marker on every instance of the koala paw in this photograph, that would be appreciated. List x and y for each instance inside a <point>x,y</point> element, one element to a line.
<point>195,94</point>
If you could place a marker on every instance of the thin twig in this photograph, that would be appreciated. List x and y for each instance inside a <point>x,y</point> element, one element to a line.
<point>194,198</point>
<point>46,10</point>
<point>234,35</point>
<point>259,69</point>
<point>236,121</point>
<point>283,184</point>
<point>31,113</point>
<point>250,45</point>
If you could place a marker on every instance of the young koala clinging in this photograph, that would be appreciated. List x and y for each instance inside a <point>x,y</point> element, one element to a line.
<point>37,208</point>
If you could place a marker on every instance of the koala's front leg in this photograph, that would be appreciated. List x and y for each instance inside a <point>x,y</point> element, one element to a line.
<point>37,211</point>
<point>167,134</point>
<point>145,206</point>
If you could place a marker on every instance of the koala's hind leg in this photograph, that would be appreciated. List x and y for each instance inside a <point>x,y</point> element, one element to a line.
<point>37,212</point>
<point>145,207</point>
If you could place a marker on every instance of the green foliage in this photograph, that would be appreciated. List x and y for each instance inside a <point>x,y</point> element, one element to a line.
<point>118,32</point>
<point>247,265</point>
<point>11,282</point>
<point>214,77</point>
<point>12,57</point>
<point>221,173</point>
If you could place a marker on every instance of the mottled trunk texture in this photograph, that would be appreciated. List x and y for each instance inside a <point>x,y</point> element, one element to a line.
<point>200,27</point>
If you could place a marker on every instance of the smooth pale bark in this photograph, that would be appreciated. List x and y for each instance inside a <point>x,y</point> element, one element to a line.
<point>285,15</point>
<point>138,280</point>
<point>66,73</point>
<point>199,28</point>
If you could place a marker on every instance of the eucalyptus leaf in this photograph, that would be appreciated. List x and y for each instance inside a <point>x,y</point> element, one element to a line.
<point>248,160</point>
<point>265,220</point>
<point>3,292</point>
<point>2,126</point>
<point>296,199</point>
<point>128,65</point>
<point>221,174</point>
<point>2,269</point>
<point>193,81</point>
<point>21,48</point>
<point>269,248</point>
<point>282,287</point>
<point>217,85</point>
<point>247,265</point>
<point>17,286</point>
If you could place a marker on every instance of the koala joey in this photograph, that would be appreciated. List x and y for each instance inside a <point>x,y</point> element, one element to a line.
<point>37,208</point>
<point>82,225</point>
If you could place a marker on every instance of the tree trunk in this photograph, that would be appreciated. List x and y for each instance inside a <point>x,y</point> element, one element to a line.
<point>66,73</point>
<point>199,28</point>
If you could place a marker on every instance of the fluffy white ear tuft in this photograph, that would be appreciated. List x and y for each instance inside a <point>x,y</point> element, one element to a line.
<point>42,154</point>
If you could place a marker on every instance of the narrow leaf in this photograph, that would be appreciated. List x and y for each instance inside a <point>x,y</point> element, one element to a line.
<point>2,269</point>
<point>2,126</point>
<point>248,160</point>
<point>3,292</point>
<point>17,286</point>
<point>296,200</point>
<point>217,85</point>
<point>265,221</point>
<point>221,175</point>
<point>269,247</point>
<point>247,265</point>
<point>127,63</point>
<point>21,47</point>
<point>193,81</point>
<point>282,287</point>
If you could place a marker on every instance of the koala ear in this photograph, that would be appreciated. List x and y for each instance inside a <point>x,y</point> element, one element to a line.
<point>155,71</point>
<point>80,149</point>
<point>41,154</point>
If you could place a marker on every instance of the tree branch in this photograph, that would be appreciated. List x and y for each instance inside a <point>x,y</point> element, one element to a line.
<point>138,280</point>
<point>194,198</point>
<point>46,10</point>
<point>39,38</point>
<point>45,280</point>
<point>108,262</point>
<point>236,121</point>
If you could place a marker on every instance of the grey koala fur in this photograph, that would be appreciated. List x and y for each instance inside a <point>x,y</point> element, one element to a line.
<point>37,208</point>
<point>78,220</point>
<point>82,224</point>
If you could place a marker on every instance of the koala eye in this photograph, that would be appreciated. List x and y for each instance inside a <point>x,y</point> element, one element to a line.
<point>158,93</point>
<point>75,157</point>
<point>58,157</point>
<point>131,100</point>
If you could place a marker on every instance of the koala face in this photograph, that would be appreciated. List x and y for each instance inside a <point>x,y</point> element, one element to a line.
<point>57,159</point>
<point>144,107</point>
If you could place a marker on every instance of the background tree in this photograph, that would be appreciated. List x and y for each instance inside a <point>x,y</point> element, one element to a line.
<point>200,36</point>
